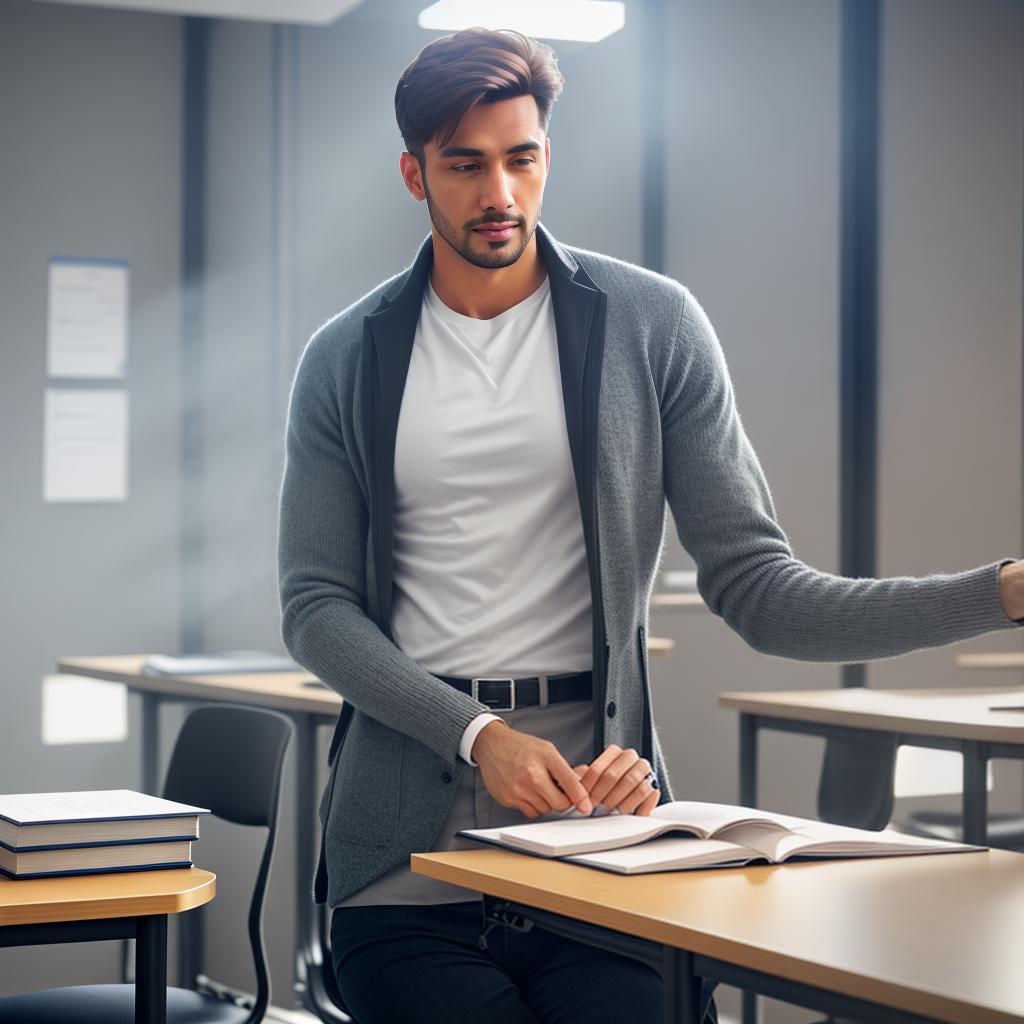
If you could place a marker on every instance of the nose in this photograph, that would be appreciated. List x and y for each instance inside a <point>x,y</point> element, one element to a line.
<point>497,191</point>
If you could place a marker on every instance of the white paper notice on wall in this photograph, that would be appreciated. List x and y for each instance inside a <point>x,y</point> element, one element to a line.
<point>85,445</point>
<point>87,318</point>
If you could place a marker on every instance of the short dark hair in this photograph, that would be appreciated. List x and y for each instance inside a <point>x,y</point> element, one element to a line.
<point>451,75</point>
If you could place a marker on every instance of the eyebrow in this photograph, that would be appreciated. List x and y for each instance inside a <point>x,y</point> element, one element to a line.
<point>523,147</point>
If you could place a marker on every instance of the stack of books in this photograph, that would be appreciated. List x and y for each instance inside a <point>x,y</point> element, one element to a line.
<point>84,833</point>
<point>688,834</point>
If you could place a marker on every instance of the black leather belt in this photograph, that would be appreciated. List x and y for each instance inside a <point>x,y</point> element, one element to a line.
<point>503,693</point>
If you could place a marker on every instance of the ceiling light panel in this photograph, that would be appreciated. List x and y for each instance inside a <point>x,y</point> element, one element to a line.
<point>585,20</point>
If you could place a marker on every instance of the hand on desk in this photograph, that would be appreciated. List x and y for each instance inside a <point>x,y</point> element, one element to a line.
<point>527,773</point>
<point>618,779</point>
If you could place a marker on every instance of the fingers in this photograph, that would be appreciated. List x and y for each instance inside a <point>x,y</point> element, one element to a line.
<point>619,779</point>
<point>649,803</point>
<point>572,790</point>
<point>597,767</point>
<point>528,809</point>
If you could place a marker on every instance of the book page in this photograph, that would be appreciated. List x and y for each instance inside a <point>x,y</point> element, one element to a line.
<point>670,853</point>
<point>708,819</point>
<point>821,839</point>
<point>26,808</point>
<point>579,835</point>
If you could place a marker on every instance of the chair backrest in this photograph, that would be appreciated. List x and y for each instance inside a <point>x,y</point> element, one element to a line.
<point>857,776</point>
<point>230,758</point>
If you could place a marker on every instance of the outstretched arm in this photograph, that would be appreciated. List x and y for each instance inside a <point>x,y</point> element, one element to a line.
<point>746,571</point>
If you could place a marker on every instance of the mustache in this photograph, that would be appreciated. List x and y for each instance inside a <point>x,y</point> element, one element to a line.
<point>493,220</point>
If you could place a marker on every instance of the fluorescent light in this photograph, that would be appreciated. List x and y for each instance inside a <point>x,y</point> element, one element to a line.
<point>299,12</point>
<point>585,20</point>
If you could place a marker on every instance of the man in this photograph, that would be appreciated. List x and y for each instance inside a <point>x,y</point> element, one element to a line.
<point>479,455</point>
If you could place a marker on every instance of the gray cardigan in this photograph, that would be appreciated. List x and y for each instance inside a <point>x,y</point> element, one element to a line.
<point>650,416</point>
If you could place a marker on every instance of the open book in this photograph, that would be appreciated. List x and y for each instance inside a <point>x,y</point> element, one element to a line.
<point>718,835</point>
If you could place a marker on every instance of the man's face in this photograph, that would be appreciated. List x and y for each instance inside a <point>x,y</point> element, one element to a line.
<point>485,187</point>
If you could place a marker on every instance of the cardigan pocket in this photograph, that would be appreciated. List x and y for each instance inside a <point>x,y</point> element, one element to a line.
<point>368,774</point>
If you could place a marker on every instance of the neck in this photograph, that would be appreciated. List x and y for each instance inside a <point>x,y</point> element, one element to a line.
<point>480,292</point>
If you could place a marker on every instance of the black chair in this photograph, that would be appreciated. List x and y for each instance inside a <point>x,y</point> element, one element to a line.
<point>228,758</point>
<point>857,788</point>
<point>1005,831</point>
<point>856,785</point>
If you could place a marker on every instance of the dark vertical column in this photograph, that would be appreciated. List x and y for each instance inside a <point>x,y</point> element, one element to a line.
<point>858,327</point>
<point>654,84</point>
<point>192,270</point>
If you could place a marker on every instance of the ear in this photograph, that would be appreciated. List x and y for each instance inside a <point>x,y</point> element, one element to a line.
<point>412,176</point>
<point>547,154</point>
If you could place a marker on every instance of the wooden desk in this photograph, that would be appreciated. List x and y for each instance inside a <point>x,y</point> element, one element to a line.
<point>1002,659</point>
<point>311,705</point>
<point>947,719</point>
<point>678,599</point>
<point>117,905</point>
<point>893,939</point>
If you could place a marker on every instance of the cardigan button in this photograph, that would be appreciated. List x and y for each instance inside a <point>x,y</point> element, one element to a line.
<point>611,709</point>
<point>446,776</point>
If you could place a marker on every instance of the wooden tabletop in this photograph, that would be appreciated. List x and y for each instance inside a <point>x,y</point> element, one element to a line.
<point>957,713</point>
<point>678,599</point>
<point>1002,659</point>
<point>284,691</point>
<point>113,894</point>
<point>937,935</point>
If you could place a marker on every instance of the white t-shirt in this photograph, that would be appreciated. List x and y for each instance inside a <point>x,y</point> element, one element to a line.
<point>490,566</point>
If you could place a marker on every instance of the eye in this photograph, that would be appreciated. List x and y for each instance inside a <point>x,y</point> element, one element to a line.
<point>525,160</point>
<point>461,168</point>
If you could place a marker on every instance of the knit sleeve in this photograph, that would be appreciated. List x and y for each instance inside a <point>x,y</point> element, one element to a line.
<point>322,551</point>
<point>746,570</point>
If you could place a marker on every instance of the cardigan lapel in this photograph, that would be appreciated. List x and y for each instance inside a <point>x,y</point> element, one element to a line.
<point>389,333</point>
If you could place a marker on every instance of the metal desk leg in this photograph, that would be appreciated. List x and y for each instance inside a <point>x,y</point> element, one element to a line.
<point>681,988</point>
<point>748,759</point>
<point>151,969</point>
<point>150,758</point>
<point>150,741</point>
<point>975,795</point>
<point>751,1011</point>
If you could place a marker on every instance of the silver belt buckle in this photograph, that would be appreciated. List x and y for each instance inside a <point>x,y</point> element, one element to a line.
<point>474,690</point>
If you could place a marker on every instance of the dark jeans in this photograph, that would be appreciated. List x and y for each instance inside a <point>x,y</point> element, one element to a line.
<point>424,965</point>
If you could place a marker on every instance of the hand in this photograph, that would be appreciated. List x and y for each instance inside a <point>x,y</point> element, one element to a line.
<point>618,779</point>
<point>527,773</point>
<point>1011,589</point>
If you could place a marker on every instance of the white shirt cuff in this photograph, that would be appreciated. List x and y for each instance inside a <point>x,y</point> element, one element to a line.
<point>471,733</point>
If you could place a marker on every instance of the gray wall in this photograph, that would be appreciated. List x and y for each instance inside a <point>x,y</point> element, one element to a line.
<point>90,117</point>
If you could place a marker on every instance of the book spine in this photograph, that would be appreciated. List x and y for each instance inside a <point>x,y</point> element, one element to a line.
<point>99,842</point>
<point>97,871</point>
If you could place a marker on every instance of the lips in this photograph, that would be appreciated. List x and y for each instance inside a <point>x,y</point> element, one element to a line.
<point>496,232</point>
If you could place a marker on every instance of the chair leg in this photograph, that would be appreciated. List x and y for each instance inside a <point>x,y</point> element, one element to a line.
<point>127,961</point>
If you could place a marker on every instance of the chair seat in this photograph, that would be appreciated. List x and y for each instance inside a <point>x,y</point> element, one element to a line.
<point>113,1004</point>
<point>1004,830</point>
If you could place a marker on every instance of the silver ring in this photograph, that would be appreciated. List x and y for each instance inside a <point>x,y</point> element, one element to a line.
<point>652,779</point>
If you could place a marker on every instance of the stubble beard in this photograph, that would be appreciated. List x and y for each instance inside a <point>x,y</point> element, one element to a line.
<point>492,260</point>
